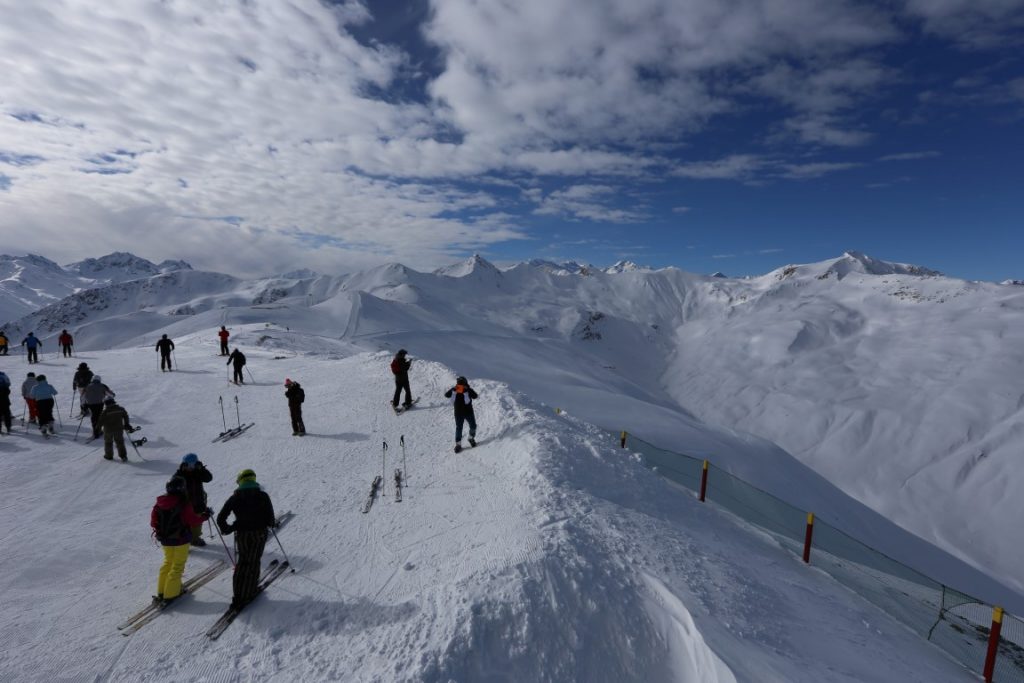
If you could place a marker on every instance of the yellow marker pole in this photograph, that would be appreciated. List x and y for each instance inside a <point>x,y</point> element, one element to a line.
<point>807,537</point>
<point>704,481</point>
<point>993,643</point>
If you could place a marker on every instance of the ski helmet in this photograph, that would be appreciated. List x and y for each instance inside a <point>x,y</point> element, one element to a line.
<point>96,378</point>
<point>176,485</point>
<point>287,382</point>
<point>461,380</point>
<point>245,475</point>
<point>401,352</point>
<point>190,459</point>
<point>31,374</point>
<point>40,378</point>
<point>82,365</point>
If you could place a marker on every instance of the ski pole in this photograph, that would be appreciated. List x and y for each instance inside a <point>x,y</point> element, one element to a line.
<point>220,399</point>
<point>71,410</point>
<point>225,543</point>
<point>175,355</point>
<point>282,549</point>
<point>383,469</point>
<point>405,468</point>
<point>250,374</point>
<point>80,421</point>
<point>238,415</point>
<point>60,420</point>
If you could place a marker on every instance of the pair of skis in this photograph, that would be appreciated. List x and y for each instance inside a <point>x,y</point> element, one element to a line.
<point>274,570</point>
<point>377,485</point>
<point>401,409</point>
<point>157,607</point>
<point>229,434</point>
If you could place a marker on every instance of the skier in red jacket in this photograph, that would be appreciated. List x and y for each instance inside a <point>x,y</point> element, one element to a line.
<point>172,520</point>
<point>66,342</point>
<point>223,334</point>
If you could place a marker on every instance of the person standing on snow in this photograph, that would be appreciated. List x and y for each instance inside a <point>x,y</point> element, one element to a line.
<point>26,393</point>
<point>44,395</point>
<point>3,343</point>
<point>32,344</point>
<point>115,422</point>
<point>223,334</point>
<point>462,396</point>
<point>254,514</point>
<point>400,365</point>
<point>238,358</point>
<point>165,346</point>
<point>195,474</point>
<point>93,396</point>
<point>5,402</point>
<point>172,519</point>
<point>295,396</point>
<point>66,342</point>
<point>81,380</point>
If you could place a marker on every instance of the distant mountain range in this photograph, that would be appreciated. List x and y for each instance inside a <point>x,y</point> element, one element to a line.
<point>896,383</point>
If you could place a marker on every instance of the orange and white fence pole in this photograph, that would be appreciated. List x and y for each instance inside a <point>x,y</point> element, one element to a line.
<point>808,535</point>
<point>993,643</point>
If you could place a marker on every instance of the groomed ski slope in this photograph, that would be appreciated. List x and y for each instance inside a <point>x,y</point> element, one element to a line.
<point>544,554</point>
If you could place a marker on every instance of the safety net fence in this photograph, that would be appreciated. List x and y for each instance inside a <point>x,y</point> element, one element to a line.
<point>956,622</point>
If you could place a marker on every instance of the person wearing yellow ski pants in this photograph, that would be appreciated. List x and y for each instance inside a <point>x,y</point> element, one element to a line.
<point>169,581</point>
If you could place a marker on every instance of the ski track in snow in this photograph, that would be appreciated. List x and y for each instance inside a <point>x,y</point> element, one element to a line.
<point>544,554</point>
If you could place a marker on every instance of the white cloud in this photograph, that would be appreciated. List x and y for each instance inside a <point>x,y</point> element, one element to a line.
<point>814,170</point>
<point>681,209</point>
<point>911,156</point>
<point>585,202</point>
<point>734,167</point>
<point>974,24</point>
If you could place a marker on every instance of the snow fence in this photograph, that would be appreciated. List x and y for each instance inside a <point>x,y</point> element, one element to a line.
<point>974,633</point>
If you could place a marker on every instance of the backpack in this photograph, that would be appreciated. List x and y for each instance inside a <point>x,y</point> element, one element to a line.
<point>4,380</point>
<point>396,366</point>
<point>168,525</point>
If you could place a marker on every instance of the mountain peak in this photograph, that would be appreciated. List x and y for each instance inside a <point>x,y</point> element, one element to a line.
<point>625,267</point>
<point>475,264</point>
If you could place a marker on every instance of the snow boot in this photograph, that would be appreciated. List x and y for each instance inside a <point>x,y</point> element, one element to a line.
<point>458,448</point>
<point>472,442</point>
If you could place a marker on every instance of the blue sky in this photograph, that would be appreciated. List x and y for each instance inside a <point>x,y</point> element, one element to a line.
<point>711,136</point>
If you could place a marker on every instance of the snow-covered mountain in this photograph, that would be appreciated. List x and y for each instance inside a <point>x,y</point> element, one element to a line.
<point>31,282</point>
<point>121,267</point>
<point>898,384</point>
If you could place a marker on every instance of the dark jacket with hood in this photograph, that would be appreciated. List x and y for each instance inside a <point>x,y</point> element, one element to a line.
<point>82,378</point>
<point>189,518</point>
<point>114,419</point>
<point>236,357</point>
<point>252,507</point>
<point>295,394</point>
<point>463,400</point>
<point>194,480</point>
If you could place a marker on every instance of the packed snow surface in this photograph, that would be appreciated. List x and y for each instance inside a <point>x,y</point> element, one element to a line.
<point>544,554</point>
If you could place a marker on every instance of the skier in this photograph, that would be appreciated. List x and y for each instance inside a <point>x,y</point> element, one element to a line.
<point>238,358</point>
<point>400,368</point>
<point>66,342</point>
<point>254,514</point>
<point>3,343</point>
<point>32,344</point>
<point>195,474</point>
<point>171,519</point>
<point>44,395</point>
<point>5,402</point>
<point>223,334</point>
<point>165,346</point>
<point>82,378</point>
<point>93,396</point>
<point>462,396</point>
<point>114,422</point>
<point>26,393</point>
<point>295,396</point>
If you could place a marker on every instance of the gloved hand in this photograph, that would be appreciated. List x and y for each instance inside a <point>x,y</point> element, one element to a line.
<point>227,529</point>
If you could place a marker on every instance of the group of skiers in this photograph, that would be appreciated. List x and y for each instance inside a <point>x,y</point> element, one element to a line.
<point>177,521</point>
<point>32,344</point>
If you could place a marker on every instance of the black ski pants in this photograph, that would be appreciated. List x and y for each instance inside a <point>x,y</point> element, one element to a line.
<point>5,417</point>
<point>249,547</point>
<point>223,347</point>
<point>33,354</point>
<point>112,438</point>
<point>296,411</point>
<point>239,377</point>
<point>402,382</point>
<point>469,417</point>
<point>66,348</point>
<point>94,416</point>
<point>45,408</point>
<point>165,360</point>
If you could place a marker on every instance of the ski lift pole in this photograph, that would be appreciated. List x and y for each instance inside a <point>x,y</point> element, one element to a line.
<point>238,415</point>
<point>383,469</point>
<point>220,399</point>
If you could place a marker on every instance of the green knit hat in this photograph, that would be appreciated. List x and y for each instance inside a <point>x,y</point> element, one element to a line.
<point>245,476</point>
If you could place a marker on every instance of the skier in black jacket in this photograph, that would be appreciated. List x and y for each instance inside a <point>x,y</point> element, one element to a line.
<point>238,358</point>
<point>400,365</point>
<point>254,514</point>
<point>295,396</point>
<point>462,396</point>
<point>195,474</point>
<point>165,346</point>
<point>82,378</point>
